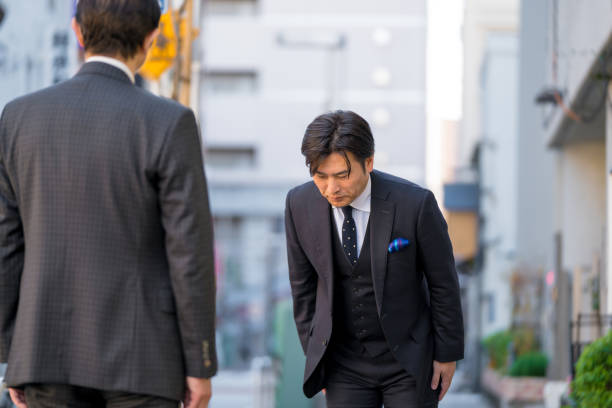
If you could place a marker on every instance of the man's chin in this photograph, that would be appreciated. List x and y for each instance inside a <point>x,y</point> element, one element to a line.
<point>338,203</point>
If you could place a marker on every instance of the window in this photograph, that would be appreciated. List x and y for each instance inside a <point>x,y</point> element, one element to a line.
<point>230,7</point>
<point>491,308</point>
<point>230,82</point>
<point>230,157</point>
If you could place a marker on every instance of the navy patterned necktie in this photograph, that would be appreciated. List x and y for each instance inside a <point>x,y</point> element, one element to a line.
<point>349,235</point>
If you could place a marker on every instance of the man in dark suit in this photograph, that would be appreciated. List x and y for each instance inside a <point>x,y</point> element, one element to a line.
<point>107,292</point>
<point>375,293</point>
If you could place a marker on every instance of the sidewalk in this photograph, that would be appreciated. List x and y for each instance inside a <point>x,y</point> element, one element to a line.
<point>464,400</point>
<point>459,395</point>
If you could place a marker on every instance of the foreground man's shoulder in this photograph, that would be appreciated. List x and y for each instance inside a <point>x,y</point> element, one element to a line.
<point>302,189</point>
<point>43,96</point>
<point>161,105</point>
<point>298,195</point>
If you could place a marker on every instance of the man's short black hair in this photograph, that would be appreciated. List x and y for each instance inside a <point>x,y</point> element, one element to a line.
<point>337,132</point>
<point>116,27</point>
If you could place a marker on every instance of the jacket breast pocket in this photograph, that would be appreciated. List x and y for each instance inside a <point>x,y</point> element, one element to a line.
<point>403,258</point>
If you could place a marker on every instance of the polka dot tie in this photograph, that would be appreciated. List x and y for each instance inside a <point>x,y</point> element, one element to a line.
<point>349,235</point>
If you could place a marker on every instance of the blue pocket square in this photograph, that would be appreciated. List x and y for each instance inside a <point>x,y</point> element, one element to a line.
<point>398,244</point>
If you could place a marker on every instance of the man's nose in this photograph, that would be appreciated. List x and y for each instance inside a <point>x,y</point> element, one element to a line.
<point>332,187</point>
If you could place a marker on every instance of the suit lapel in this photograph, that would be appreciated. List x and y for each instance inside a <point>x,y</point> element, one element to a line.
<point>382,213</point>
<point>320,226</point>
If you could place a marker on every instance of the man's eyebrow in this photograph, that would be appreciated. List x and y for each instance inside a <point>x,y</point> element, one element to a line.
<point>340,173</point>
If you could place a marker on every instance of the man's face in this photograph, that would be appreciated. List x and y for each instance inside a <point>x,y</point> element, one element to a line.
<point>333,180</point>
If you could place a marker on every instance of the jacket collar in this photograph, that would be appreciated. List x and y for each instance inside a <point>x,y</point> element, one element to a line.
<point>115,63</point>
<point>101,68</point>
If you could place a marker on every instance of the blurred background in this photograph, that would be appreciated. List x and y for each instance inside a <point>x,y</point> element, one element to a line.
<point>503,108</point>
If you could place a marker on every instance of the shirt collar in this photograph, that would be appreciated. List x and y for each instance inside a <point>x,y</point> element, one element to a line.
<point>363,200</point>
<point>115,63</point>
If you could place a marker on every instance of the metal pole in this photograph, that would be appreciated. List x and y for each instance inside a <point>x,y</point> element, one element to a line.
<point>185,55</point>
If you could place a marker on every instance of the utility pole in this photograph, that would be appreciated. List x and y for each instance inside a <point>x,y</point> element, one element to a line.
<point>174,49</point>
<point>186,53</point>
<point>186,36</point>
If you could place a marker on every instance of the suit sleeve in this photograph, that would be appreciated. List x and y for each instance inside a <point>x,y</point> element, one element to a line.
<point>436,256</point>
<point>11,253</point>
<point>187,223</point>
<point>303,279</point>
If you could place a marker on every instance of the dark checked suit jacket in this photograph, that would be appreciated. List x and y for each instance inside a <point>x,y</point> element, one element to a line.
<point>106,260</point>
<point>416,289</point>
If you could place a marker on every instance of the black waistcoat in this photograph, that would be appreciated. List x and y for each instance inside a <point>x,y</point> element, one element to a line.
<point>355,320</point>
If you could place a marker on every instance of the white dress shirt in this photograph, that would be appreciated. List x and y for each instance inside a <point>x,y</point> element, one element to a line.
<point>115,63</point>
<point>361,214</point>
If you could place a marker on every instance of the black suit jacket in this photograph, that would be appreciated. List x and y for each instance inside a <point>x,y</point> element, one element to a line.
<point>106,259</point>
<point>416,289</point>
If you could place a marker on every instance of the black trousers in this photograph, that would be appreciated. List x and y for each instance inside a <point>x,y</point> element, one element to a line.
<point>357,380</point>
<point>63,395</point>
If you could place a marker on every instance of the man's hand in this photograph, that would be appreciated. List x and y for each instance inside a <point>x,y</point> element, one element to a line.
<point>198,393</point>
<point>18,397</point>
<point>446,371</point>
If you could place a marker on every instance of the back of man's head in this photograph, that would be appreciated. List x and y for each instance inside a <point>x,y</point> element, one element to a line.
<point>116,27</point>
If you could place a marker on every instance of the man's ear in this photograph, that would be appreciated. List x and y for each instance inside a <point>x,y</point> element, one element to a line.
<point>149,39</point>
<point>77,31</point>
<point>369,164</point>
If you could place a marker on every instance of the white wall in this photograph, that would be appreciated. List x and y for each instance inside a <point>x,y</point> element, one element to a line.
<point>583,193</point>
<point>482,17</point>
<point>536,161</point>
<point>499,176</point>
<point>395,7</point>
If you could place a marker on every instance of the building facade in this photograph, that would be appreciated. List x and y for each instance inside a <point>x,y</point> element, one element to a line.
<point>482,197</point>
<point>575,105</point>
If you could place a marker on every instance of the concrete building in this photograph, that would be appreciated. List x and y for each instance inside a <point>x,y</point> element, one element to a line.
<point>576,112</point>
<point>578,63</point>
<point>536,172</point>
<point>481,199</point>
<point>41,55</point>
<point>498,178</point>
<point>489,146</point>
<point>270,67</point>
<point>560,204</point>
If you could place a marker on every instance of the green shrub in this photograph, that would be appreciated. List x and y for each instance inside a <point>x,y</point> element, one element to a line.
<point>520,341</point>
<point>497,345</point>
<point>532,364</point>
<point>524,340</point>
<point>592,387</point>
